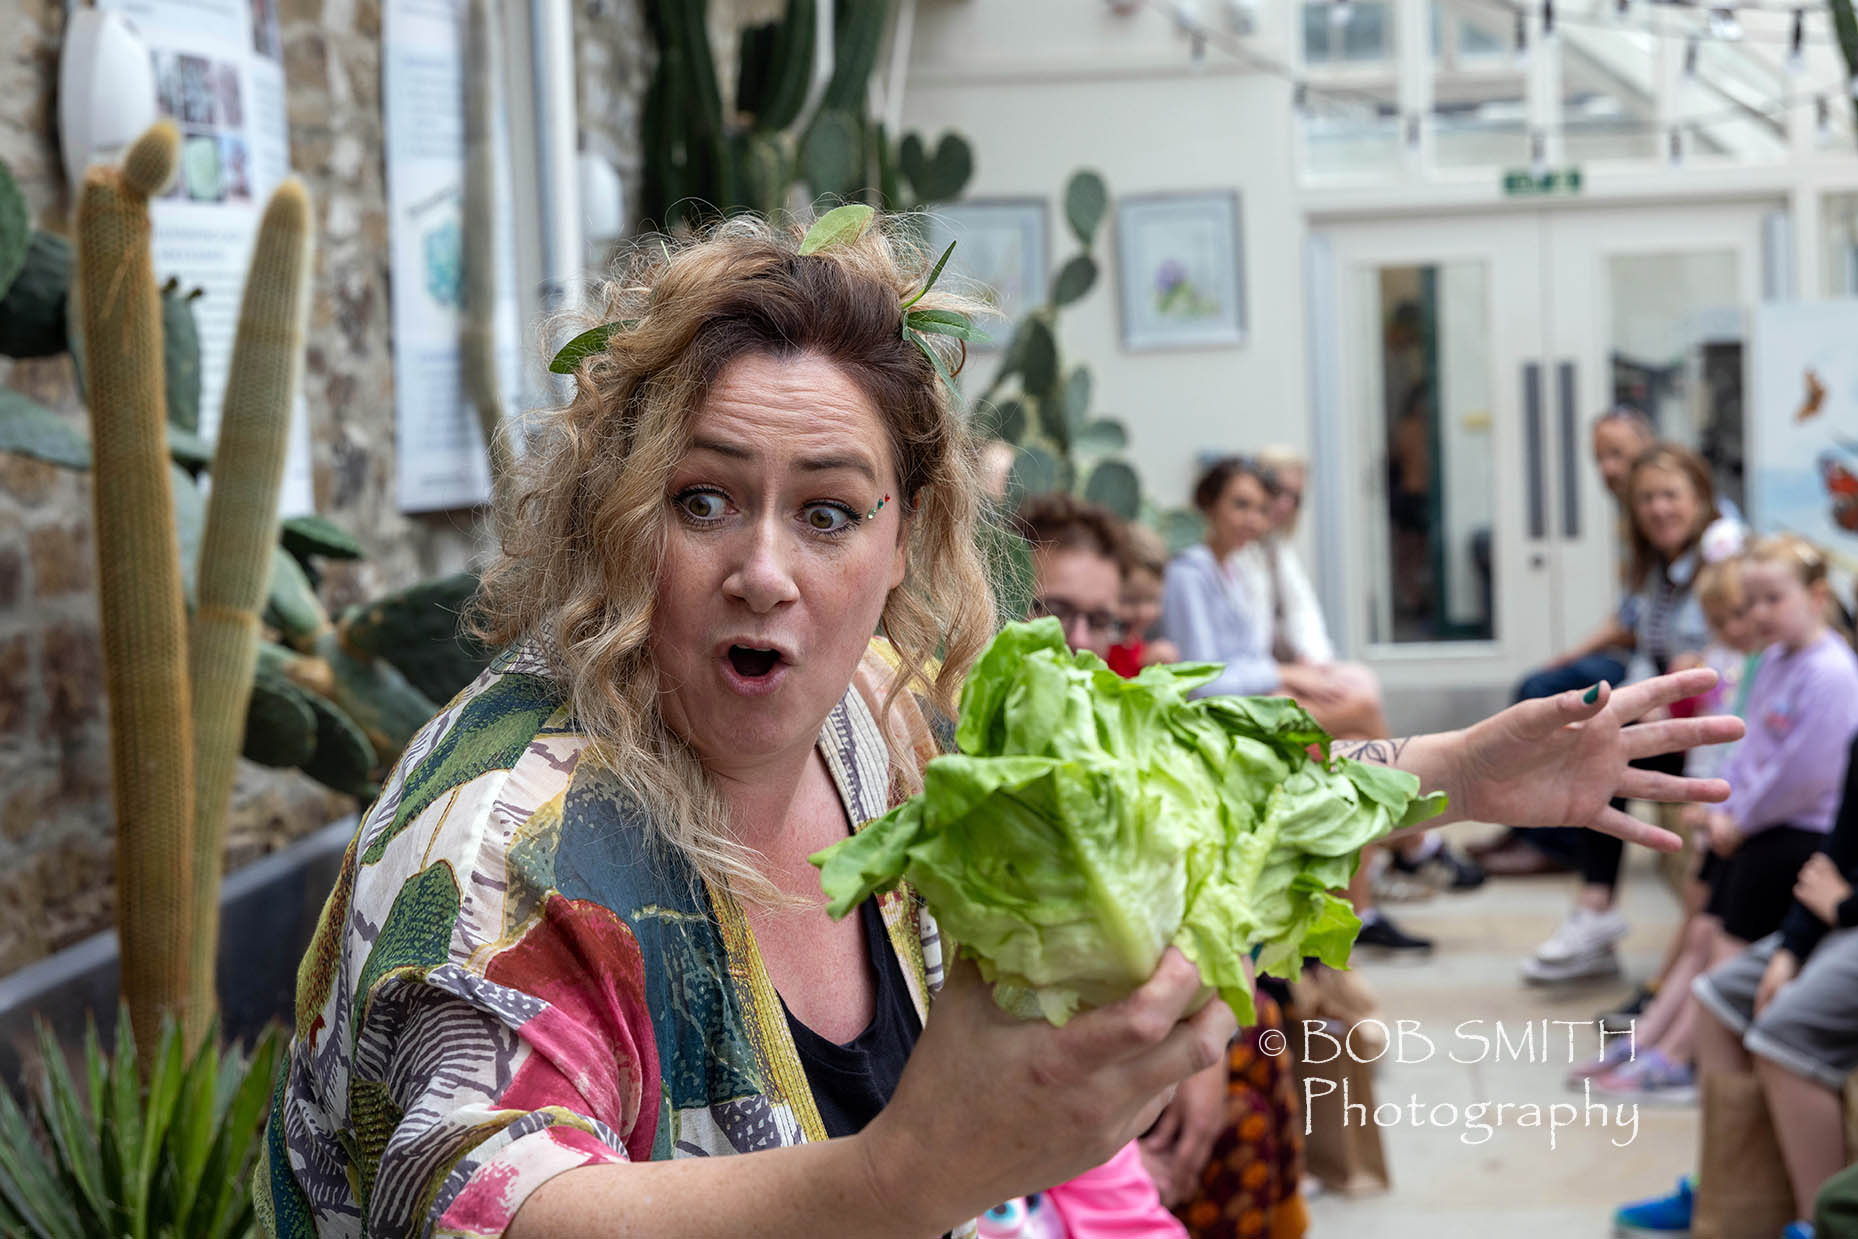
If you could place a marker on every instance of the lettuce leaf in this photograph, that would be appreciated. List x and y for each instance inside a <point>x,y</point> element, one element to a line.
<point>1088,822</point>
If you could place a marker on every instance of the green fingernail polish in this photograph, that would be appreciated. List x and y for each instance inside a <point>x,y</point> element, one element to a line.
<point>1593,695</point>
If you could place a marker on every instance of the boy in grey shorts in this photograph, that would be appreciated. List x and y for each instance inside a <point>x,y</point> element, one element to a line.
<point>1810,1027</point>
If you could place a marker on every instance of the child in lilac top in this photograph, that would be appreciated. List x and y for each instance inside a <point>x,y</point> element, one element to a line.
<point>1786,774</point>
<point>1802,714</point>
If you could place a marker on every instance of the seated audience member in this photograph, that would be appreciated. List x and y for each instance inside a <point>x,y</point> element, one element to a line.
<point>1786,1010</point>
<point>1210,614</point>
<point>1270,568</point>
<point>1672,500</point>
<point>1145,566</point>
<point>1619,435</point>
<point>1657,1062</point>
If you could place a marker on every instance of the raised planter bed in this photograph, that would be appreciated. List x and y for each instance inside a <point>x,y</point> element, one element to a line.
<point>268,912</point>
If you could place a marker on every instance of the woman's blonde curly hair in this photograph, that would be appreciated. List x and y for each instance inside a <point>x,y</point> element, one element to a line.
<point>583,512</point>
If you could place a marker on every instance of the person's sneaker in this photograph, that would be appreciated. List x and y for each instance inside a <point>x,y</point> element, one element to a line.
<point>1798,1230</point>
<point>1392,885</point>
<point>1444,868</point>
<point>1618,1054</point>
<point>1583,933</point>
<point>1621,1018</point>
<point>1663,1217</point>
<point>1592,966</point>
<point>1382,934</point>
<point>1651,1077</point>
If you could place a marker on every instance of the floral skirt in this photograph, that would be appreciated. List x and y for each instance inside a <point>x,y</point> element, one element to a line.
<point>1251,1187</point>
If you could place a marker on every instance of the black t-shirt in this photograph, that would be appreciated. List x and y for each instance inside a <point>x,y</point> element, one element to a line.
<point>852,1082</point>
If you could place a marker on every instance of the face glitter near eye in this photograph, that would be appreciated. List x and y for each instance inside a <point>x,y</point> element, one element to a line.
<point>880,506</point>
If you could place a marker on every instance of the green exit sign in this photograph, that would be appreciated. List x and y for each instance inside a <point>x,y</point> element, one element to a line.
<point>1524,184</point>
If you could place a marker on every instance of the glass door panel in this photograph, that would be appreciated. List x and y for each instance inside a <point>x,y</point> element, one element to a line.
<point>1434,573</point>
<point>1648,309</point>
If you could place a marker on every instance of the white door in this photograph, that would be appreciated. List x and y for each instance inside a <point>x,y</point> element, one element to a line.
<point>1472,353</point>
<point>1648,308</point>
<point>1442,393</point>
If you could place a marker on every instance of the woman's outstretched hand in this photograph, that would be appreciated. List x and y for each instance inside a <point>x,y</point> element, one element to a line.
<point>1558,761</point>
<point>991,1107</point>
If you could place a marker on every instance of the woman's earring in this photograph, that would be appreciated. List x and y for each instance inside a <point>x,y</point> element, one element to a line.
<point>880,506</point>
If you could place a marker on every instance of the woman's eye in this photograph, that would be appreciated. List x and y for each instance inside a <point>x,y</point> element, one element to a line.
<point>826,518</point>
<point>703,505</point>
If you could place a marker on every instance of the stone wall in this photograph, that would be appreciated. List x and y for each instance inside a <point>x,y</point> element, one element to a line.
<point>55,820</point>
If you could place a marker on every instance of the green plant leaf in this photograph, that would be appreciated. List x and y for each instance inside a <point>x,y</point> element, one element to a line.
<point>180,351</point>
<point>15,228</point>
<point>945,323</point>
<point>1100,438</point>
<point>122,1126</point>
<point>935,274</point>
<point>1085,201</point>
<point>33,312</point>
<point>1052,422</point>
<point>190,1137</point>
<point>160,1104</point>
<point>1076,278</point>
<point>236,1142</point>
<point>832,159</point>
<point>938,177</point>
<point>1181,528</point>
<point>318,535</point>
<point>1114,484</point>
<point>1077,388</point>
<point>580,348</point>
<point>1038,357</point>
<point>1035,472</point>
<point>29,1187</point>
<point>74,1141</point>
<point>954,391</point>
<point>1011,420</point>
<point>28,428</point>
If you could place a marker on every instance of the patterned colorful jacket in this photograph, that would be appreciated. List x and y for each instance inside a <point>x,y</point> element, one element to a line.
<point>505,985</point>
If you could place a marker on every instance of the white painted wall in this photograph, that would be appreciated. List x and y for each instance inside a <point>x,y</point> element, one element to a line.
<point>1044,87</point>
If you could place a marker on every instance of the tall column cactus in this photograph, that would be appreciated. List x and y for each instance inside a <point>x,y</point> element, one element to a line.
<point>240,540</point>
<point>139,581</point>
<point>482,380</point>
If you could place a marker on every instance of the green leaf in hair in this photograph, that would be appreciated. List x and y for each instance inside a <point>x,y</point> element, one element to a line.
<point>933,276</point>
<point>945,323</point>
<point>844,223</point>
<point>587,344</point>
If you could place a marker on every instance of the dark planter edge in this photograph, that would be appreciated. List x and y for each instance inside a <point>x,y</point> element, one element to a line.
<point>268,911</point>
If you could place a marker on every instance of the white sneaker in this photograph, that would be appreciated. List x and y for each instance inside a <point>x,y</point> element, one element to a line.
<point>1588,966</point>
<point>1583,933</point>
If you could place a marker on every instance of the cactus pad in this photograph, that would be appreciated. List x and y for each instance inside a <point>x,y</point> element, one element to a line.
<point>419,631</point>
<point>15,228</point>
<point>304,536</point>
<point>32,314</point>
<point>280,723</point>
<point>28,428</point>
<point>180,342</point>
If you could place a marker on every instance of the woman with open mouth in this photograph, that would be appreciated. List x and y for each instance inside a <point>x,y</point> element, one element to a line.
<point>577,953</point>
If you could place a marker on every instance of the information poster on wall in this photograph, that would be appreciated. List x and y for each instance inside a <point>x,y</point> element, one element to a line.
<point>442,458</point>
<point>1803,424</point>
<point>219,76</point>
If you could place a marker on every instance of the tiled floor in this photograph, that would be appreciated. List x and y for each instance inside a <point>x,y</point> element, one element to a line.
<point>1512,1185</point>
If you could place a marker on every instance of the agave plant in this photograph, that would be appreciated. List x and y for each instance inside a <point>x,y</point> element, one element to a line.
<point>118,1156</point>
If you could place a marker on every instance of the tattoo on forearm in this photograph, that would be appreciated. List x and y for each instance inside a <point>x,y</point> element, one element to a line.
<point>1380,752</point>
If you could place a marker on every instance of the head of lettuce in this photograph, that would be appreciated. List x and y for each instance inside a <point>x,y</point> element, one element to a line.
<point>1087,823</point>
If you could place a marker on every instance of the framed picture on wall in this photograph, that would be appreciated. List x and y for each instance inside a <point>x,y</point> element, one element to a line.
<point>1180,263</point>
<point>1002,246</point>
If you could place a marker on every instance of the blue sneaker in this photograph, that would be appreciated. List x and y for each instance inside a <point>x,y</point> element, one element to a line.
<point>1663,1217</point>
<point>1798,1230</point>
